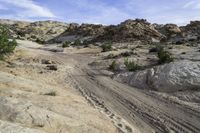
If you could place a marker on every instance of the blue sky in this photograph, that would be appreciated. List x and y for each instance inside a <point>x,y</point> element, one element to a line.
<point>102,11</point>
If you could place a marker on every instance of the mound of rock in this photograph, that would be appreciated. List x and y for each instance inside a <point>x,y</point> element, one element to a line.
<point>192,31</point>
<point>177,76</point>
<point>171,31</point>
<point>127,31</point>
<point>40,31</point>
<point>76,31</point>
<point>131,30</point>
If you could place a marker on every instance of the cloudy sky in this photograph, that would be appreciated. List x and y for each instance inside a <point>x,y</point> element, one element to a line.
<point>102,11</point>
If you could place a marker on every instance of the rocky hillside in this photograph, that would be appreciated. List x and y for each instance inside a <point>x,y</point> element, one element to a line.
<point>37,31</point>
<point>127,31</point>
<point>132,30</point>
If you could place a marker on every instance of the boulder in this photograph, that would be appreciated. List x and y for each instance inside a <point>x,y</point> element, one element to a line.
<point>177,76</point>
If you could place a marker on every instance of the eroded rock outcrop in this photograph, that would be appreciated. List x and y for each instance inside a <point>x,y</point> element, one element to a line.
<point>171,32</point>
<point>177,76</point>
<point>191,31</point>
<point>35,31</point>
<point>131,30</point>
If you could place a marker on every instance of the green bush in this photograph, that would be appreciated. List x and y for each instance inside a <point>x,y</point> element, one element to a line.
<point>66,44</point>
<point>106,47</point>
<point>6,45</point>
<point>112,65</point>
<point>77,42</point>
<point>131,66</point>
<point>40,41</point>
<point>164,56</point>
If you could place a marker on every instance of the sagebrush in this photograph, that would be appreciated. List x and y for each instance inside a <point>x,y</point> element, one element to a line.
<point>131,65</point>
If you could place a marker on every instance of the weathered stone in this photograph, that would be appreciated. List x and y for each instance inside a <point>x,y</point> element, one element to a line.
<point>177,76</point>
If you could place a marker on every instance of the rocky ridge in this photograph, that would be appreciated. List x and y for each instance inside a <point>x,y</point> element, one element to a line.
<point>127,31</point>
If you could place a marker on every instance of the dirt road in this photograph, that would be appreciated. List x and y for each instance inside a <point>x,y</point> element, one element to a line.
<point>131,109</point>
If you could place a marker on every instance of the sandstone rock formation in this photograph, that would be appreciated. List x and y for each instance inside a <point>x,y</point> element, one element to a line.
<point>127,31</point>
<point>34,99</point>
<point>192,31</point>
<point>177,76</point>
<point>171,31</point>
<point>131,30</point>
<point>41,30</point>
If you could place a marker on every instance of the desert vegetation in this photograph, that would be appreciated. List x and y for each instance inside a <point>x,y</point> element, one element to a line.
<point>66,44</point>
<point>131,65</point>
<point>52,93</point>
<point>106,47</point>
<point>164,56</point>
<point>7,45</point>
<point>112,65</point>
<point>40,41</point>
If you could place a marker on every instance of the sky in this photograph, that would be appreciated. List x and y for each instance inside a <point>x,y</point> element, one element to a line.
<point>106,12</point>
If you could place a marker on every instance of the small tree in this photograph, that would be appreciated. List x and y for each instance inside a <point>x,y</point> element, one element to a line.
<point>164,56</point>
<point>6,46</point>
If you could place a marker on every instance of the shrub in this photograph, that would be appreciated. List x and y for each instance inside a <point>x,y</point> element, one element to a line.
<point>131,66</point>
<point>6,46</point>
<point>77,42</point>
<point>164,56</point>
<point>153,50</point>
<point>52,93</point>
<point>106,47</point>
<point>112,65</point>
<point>40,41</point>
<point>66,44</point>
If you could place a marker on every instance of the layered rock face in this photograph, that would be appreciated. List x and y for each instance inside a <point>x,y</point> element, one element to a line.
<point>177,76</point>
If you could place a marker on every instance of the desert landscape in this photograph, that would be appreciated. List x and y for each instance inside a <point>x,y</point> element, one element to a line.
<point>102,69</point>
<point>128,78</point>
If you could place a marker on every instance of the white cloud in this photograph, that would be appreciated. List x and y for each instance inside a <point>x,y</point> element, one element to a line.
<point>192,4</point>
<point>28,9</point>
